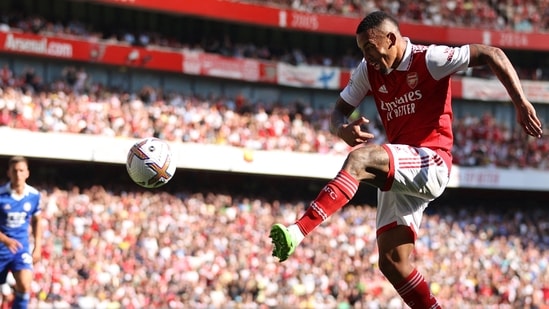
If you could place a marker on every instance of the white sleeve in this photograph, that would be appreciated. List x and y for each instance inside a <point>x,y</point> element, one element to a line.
<point>358,86</point>
<point>444,60</point>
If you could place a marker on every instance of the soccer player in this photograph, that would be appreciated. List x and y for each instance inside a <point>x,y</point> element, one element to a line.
<point>410,85</point>
<point>19,208</point>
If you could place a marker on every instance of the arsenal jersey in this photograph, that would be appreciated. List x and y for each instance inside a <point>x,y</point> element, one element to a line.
<point>413,100</point>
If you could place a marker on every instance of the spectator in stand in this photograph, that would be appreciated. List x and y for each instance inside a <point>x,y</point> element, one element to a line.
<point>20,212</point>
<point>6,76</point>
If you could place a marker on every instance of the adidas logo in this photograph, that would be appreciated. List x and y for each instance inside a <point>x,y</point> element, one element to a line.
<point>383,89</point>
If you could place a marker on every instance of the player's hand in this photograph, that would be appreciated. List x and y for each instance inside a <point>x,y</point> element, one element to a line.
<point>36,254</point>
<point>528,120</point>
<point>12,244</point>
<point>353,134</point>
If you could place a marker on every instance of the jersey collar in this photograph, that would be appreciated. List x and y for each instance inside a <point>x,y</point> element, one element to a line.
<point>407,58</point>
<point>14,194</point>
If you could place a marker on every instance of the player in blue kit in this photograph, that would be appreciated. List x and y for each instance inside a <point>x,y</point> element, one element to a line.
<point>19,208</point>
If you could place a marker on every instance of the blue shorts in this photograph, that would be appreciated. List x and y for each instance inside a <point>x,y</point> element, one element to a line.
<point>14,262</point>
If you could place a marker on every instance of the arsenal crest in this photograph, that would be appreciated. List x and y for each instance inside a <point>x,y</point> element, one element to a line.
<point>412,79</point>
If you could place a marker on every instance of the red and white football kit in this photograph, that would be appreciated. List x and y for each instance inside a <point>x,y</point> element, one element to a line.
<point>414,103</point>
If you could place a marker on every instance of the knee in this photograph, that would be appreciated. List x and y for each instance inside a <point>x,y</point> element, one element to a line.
<point>374,155</point>
<point>394,267</point>
<point>24,289</point>
<point>23,286</point>
<point>369,163</point>
<point>362,155</point>
<point>387,265</point>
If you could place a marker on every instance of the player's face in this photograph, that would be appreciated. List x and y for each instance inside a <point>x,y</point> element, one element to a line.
<point>18,173</point>
<point>376,49</point>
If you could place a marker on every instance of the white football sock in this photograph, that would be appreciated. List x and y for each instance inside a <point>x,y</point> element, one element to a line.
<point>296,233</point>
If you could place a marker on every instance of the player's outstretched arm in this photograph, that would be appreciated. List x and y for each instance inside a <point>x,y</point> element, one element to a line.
<point>502,67</point>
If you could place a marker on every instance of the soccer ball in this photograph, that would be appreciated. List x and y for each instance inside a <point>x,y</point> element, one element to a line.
<point>149,163</point>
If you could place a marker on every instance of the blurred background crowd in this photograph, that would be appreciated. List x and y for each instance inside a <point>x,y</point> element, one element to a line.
<point>517,16</point>
<point>73,105</point>
<point>121,247</point>
<point>532,15</point>
<point>211,250</point>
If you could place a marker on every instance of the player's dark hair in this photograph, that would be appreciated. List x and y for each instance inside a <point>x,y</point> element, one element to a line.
<point>373,20</point>
<point>16,159</point>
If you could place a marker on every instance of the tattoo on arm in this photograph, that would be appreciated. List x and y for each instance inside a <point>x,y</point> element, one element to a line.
<point>337,119</point>
<point>339,116</point>
<point>500,65</point>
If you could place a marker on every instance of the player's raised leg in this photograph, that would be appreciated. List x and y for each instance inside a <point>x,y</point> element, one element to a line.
<point>369,164</point>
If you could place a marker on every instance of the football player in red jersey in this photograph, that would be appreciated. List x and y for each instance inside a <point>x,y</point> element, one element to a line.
<point>410,85</point>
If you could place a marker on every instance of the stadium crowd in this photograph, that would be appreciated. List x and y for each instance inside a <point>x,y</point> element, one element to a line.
<point>514,15</point>
<point>527,16</point>
<point>144,249</point>
<point>74,105</point>
<point>227,44</point>
<point>141,249</point>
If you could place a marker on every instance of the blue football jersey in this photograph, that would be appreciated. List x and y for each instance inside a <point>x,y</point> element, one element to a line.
<point>16,213</point>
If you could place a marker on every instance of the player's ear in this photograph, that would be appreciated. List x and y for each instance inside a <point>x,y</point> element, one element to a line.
<point>392,39</point>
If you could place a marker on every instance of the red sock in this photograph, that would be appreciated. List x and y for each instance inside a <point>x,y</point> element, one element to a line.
<point>415,292</point>
<point>333,196</point>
